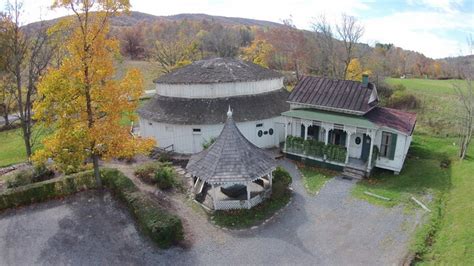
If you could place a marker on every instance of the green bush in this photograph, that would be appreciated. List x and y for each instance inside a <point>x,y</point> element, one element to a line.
<point>146,171</point>
<point>31,175</point>
<point>164,177</point>
<point>403,100</point>
<point>164,228</point>
<point>281,181</point>
<point>41,191</point>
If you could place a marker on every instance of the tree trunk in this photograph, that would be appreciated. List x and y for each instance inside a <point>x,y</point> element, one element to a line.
<point>95,162</point>
<point>5,116</point>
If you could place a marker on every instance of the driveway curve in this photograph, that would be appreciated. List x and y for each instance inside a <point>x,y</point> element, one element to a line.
<point>331,228</point>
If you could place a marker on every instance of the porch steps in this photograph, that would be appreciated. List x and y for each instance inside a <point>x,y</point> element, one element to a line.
<point>353,172</point>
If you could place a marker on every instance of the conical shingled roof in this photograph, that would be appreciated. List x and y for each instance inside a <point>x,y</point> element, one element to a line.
<point>231,158</point>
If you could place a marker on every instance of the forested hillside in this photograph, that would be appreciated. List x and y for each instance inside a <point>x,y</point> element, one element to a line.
<point>326,50</point>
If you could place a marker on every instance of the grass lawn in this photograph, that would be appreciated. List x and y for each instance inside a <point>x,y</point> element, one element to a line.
<point>314,178</point>
<point>149,70</point>
<point>447,237</point>
<point>439,103</point>
<point>12,147</point>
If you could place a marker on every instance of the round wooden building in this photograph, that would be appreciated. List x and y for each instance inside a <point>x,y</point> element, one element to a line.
<point>189,107</point>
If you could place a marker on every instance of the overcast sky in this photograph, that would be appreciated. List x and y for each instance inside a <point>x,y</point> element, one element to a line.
<point>437,28</point>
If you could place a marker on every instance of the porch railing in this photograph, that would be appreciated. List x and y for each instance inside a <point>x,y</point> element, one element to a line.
<point>315,148</point>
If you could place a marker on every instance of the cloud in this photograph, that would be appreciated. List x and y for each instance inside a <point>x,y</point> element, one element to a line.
<point>432,33</point>
<point>449,6</point>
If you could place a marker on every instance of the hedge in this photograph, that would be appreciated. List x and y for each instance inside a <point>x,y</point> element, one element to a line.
<point>49,189</point>
<point>163,228</point>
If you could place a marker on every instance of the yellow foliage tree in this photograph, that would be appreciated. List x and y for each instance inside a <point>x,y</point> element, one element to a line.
<point>258,52</point>
<point>81,101</point>
<point>355,70</point>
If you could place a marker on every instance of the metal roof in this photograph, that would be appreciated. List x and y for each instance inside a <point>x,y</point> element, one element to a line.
<point>392,118</point>
<point>345,96</point>
<point>231,159</point>
<point>335,118</point>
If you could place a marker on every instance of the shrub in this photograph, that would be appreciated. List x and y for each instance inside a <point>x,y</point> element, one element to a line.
<point>403,100</point>
<point>41,191</point>
<point>146,171</point>
<point>164,228</point>
<point>31,175</point>
<point>281,181</point>
<point>164,177</point>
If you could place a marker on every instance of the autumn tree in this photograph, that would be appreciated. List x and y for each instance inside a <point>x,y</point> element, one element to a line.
<point>133,42</point>
<point>81,101</point>
<point>259,52</point>
<point>222,41</point>
<point>6,90</point>
<point>355,70</point>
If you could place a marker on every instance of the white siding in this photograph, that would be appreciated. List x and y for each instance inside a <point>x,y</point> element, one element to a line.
<point>184,140</point>
<point>403,143</point>
<point>216,90</point>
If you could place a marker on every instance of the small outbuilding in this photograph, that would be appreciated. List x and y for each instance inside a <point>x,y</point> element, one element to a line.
<point>232,173</point>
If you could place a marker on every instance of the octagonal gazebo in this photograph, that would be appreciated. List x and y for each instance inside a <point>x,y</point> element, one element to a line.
<point>232,173</point>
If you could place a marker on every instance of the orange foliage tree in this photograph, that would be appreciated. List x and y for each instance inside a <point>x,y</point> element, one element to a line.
<point>80,101</point>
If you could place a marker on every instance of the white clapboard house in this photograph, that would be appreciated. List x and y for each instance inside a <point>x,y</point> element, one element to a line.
<point>338,123</point>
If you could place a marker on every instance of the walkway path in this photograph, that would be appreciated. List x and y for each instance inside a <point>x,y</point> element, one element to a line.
<point>331,228</point>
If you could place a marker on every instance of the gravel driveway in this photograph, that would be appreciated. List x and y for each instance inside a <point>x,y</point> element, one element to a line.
<point>331,228</point>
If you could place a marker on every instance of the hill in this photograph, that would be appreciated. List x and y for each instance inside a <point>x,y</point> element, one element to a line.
<point>134,18</point>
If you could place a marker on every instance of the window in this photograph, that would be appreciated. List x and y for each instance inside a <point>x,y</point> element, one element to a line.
<point>357,140</point>
<point>260,133</point>
<point>270,131</point>
<point>196,131</point>
<point>260,125</point>
<point>313,132</point>
<point>337,137</point>
<point>385,145</point>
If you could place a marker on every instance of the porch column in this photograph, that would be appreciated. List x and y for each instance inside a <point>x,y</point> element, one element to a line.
<point>326,139</point>
<point>372,138</point>
<point>286,133</point>
<point>271,179</point>
<point>214,198</point>
<point>348,139</point>
<point>248,196</point>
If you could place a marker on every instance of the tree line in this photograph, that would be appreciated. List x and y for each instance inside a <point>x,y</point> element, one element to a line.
<point>326,50</point>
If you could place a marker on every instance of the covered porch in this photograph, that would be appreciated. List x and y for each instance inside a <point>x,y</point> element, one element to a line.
<point>342,140</point>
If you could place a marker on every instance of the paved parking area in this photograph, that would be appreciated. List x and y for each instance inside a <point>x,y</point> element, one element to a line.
<point>90,228</point>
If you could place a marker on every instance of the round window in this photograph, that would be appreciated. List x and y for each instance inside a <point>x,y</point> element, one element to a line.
<point>270,131</point>
<point>260,133</point>
<point>357,140</point>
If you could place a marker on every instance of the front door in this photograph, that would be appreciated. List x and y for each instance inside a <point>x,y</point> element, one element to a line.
<point>365,148</point>
<point>355,145</point>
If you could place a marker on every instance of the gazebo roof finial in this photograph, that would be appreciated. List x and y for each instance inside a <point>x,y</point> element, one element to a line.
<point>229,112</point>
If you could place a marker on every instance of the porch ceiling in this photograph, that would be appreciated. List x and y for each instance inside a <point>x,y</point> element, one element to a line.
<point>330,118</point>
